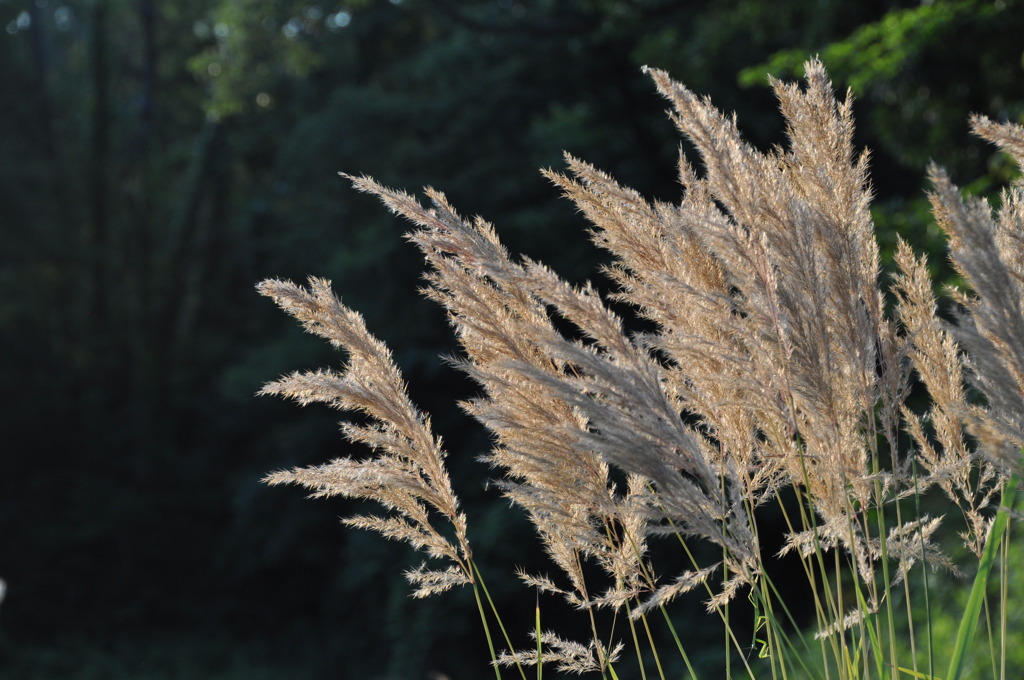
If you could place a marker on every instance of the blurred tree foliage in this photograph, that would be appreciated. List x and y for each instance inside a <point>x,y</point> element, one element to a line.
<point>160,158</point>
<point>918,72</point>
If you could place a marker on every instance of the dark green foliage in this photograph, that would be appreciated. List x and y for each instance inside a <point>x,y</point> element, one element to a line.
<point>160,158</point>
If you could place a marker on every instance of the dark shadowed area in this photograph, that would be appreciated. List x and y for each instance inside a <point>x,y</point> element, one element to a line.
<point>158,159</point>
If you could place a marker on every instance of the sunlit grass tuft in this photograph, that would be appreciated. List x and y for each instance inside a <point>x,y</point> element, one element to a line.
<point>774,381</point>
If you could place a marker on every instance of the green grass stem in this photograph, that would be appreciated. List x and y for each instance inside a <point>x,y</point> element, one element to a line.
<point>969,622</point>
<point>494,610</point>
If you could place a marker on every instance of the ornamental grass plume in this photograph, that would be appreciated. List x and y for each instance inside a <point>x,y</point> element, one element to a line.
<point>772,375</point>
<point>408,476</point>
<point>988,252</point>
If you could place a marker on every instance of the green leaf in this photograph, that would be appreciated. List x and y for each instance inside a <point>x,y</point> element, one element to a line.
<point>917,674</point>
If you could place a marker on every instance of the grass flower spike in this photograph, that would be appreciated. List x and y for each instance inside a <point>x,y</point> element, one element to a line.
<point>772,380</point>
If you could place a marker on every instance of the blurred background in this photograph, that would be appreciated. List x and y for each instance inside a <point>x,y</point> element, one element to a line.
<point>158,159</point>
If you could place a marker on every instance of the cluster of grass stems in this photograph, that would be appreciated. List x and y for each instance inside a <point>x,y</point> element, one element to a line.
<point>777,376</point>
